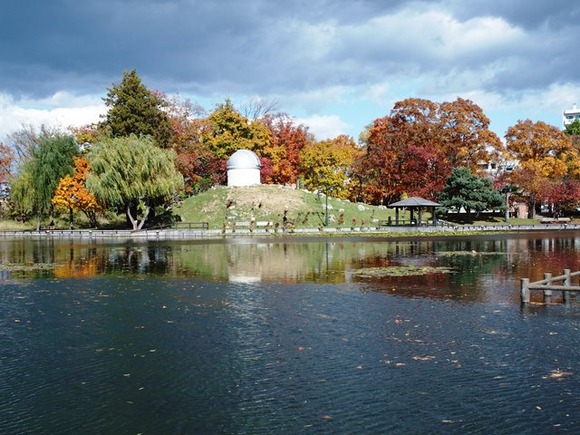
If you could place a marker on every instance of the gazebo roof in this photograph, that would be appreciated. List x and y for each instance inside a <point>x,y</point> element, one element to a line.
<point>414,201</point>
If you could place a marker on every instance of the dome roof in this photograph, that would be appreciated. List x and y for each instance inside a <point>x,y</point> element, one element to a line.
<point>243,159</point>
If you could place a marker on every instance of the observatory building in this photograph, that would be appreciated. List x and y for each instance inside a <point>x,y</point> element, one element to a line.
<point>243,169</point>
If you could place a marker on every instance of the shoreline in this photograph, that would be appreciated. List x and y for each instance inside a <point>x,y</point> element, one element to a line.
<point>185,235</point>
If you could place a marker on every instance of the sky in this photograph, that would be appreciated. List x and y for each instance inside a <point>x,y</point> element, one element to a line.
<point>334,65</point>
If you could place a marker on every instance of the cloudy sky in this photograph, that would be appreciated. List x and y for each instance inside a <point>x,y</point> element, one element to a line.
<point>335,65</point>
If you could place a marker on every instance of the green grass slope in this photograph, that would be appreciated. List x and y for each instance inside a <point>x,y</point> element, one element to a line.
<point>267,203</point>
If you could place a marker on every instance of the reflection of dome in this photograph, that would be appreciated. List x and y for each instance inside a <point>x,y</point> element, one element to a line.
<point>243,159</point>
<point>243,169</point>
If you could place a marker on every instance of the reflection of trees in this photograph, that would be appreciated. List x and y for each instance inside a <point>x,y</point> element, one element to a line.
<point>476,260</point>
<point>74,259</point>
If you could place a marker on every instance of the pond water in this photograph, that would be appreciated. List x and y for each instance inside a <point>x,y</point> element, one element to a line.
<point>269,336</point>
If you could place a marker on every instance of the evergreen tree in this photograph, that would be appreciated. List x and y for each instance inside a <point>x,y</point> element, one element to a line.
<point>133,109</point>
<point>470,192</point>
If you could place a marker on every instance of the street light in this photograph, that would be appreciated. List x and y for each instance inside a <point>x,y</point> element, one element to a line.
<point>328,189</point>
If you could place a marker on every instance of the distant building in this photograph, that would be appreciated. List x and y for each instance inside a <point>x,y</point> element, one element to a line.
<point>243,169</point>
<point>570,115</point>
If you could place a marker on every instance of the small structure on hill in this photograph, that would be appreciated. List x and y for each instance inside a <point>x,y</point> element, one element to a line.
<point>243,169</point>
<point>414,204</point>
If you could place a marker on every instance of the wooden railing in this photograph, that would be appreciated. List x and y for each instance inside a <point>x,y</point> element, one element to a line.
<point>547,285</point>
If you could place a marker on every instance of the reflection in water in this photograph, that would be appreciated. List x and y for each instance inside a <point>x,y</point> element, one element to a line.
<point>475,262</point>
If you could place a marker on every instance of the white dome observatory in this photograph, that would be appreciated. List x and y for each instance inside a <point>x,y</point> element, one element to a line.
<point>243,169</point>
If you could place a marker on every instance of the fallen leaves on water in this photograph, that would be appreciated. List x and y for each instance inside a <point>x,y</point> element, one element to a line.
<point>423,357</point>
<point>410,270</point>
<point>557,374</point>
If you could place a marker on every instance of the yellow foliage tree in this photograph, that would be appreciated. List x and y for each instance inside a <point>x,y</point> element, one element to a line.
<point>71,193</point>
<point>326,164</point>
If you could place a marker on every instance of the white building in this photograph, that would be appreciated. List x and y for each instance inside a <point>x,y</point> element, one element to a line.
<point>243,169</point>
<point>570,115</point>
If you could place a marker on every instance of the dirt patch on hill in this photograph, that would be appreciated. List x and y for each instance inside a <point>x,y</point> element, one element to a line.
<point>273,199</point>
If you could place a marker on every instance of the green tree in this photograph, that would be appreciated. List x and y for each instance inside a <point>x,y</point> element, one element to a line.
<point>133,175</point>
<point>573,129</point>
<point>470,192</point>
<point>134,109</point>
<point>35,184</point>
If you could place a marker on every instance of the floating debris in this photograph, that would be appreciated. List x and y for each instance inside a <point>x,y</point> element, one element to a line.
<point>410,270</point>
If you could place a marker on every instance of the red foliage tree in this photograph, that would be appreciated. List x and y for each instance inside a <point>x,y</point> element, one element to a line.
<point>415,148</point>
<point>283,151</point>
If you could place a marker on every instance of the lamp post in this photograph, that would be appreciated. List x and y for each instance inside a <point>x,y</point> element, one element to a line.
<point>326,190</point>
<point>326,210</point>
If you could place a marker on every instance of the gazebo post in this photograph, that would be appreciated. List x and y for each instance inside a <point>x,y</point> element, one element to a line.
<point>397,216</point>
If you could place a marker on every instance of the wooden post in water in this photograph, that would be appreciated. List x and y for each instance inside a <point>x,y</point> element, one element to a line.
<point>548,293</point>
<point>525,291</point>
<point>567,283</point>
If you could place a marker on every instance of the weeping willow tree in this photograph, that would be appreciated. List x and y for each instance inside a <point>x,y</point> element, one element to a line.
<point>34,186</point>
<point>132,174</point>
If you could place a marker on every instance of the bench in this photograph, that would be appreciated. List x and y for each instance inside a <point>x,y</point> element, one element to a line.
<point>562,220</point>
<point>253,224</point>
<point>191,225</point>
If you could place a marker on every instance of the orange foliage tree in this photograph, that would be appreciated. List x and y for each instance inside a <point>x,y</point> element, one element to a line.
<point>72,194</point>
<point>414,149</point>
<point>546,157</point>
<point>6,158</point>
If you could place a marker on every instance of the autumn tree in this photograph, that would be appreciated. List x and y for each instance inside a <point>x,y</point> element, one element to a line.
<point>563,196</point>
<point>200,168</point>
<point>326,164</point>
<point>545,155</point>
<point>72,194</point>
<point>464,190</point>
<point>132,174</point>
<point>34,186</point>
<point>6,159</point>
<point>134,109</point>
<point>414,149</point>
<point>283,151</point>
<point>230,131</point>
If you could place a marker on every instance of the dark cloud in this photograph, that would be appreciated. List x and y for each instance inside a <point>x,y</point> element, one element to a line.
<point>261,46</point>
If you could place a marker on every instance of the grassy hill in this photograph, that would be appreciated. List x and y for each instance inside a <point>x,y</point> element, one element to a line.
<point>268,203</point>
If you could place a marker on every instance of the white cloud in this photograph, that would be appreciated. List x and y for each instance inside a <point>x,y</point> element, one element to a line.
<point>61,110</point>
<point>325,126</point>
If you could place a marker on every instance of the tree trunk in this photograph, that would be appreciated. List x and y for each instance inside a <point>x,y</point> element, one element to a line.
<point>145,215</point>
<point>134,221</point>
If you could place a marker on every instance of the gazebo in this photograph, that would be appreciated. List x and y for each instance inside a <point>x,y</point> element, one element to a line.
<point>414,203</point>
